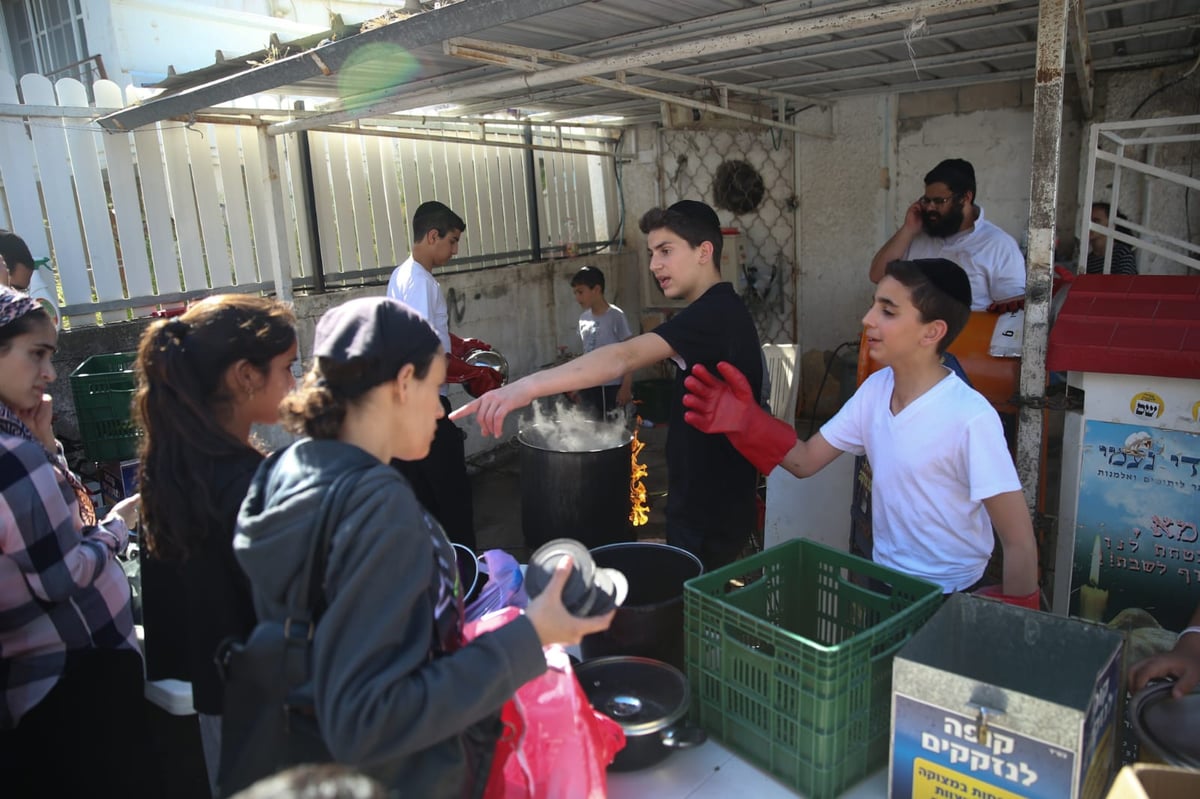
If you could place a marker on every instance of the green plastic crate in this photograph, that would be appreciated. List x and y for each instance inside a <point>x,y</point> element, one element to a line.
<point>102,387</point>
<point>794,670</point>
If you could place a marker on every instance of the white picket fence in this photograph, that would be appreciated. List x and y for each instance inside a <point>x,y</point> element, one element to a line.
<point>173,211</point>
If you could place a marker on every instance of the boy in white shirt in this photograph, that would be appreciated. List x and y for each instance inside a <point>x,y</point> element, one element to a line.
<point>440,479</point>
<point>942,473</point>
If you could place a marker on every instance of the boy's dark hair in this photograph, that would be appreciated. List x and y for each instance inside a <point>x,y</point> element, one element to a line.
<point>939,289</point>
<point>434,215</point>
<point>589,276</point>
<point>956,173</point>
<point>691,220</point>
<point>1107,208</point>
<point>15,250</point>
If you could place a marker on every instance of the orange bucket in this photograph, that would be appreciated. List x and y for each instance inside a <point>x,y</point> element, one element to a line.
<point>997,379</point>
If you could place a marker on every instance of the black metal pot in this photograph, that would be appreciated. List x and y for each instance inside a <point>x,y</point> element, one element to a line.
<point>649,699</point>
<point>650,622</point>
<point>580,495</point>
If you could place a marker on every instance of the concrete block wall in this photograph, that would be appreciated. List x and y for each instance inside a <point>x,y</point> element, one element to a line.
<point>527,312</point>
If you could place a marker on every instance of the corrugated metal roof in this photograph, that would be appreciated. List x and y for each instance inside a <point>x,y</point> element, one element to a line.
<point>611,57</point>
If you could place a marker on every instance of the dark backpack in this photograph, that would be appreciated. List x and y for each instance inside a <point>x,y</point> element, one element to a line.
<point>269,723</point>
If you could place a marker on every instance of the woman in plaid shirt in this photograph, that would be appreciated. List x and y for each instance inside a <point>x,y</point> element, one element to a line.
<point>72,715</point>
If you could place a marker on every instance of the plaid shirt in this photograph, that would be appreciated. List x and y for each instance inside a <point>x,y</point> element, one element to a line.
<point>61,588</point>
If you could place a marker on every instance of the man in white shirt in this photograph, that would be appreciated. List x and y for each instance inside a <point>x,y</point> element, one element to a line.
<point>440,480</point>
<point>946,223</point>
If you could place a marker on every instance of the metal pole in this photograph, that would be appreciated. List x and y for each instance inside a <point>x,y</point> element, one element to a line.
<point>304,150</point>
<point>535,225</point>
<point>1043,197</point>
<point>277,234</point>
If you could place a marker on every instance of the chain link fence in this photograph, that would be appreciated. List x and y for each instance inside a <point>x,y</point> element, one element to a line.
<point>748,176</point>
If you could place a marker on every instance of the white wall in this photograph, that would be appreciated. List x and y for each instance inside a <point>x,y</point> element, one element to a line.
<point>841,197</point>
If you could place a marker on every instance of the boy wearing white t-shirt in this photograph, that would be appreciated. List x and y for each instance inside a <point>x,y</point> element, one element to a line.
<point>942,474</point>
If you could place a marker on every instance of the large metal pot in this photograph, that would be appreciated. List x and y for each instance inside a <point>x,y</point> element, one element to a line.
<point>648,698</point>
<point>582,495</point>
<point>650,621</point>
<point>1167,729</point>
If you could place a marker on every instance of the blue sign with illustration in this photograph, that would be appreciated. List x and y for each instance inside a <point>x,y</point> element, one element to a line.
<point>1136,524</point>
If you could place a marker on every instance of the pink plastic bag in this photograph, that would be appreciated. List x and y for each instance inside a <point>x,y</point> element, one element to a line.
<point>554,744</point>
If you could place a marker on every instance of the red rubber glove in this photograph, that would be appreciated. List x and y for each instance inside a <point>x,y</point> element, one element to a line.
<point>477,380</point>
<point>1032,601</point>
<point>487,380</point>
<point>730,407</point>
<point>462,347</point>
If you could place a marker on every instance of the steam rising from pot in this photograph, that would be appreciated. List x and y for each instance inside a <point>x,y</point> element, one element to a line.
<point>565,428</point>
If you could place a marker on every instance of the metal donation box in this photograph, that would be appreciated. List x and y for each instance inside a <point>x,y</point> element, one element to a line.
<point>991,700</point>
<point>1130,503</point>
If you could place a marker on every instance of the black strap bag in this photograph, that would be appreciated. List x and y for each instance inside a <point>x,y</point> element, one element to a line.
<point>269,723</point>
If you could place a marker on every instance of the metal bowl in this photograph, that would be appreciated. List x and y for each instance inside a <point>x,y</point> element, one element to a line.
<point>491,359</point>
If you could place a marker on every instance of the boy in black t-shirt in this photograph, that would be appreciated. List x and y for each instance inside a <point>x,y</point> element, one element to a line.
<point>711,488</point>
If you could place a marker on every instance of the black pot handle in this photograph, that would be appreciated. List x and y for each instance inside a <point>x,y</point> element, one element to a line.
<point>684,737</point>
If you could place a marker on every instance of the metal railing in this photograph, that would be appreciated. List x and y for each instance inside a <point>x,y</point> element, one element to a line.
<point>1146,159</point>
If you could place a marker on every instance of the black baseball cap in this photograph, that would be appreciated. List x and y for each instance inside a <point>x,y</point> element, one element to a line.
<point>383,333</point>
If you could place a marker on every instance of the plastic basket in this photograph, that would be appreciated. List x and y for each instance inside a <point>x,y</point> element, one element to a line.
<point>789,655</point>
<point>102,387</point>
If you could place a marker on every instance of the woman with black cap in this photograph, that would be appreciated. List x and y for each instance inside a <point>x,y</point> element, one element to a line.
<point>397,692</point>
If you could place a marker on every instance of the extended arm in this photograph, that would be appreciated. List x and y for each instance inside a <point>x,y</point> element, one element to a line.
<point>593,369</point>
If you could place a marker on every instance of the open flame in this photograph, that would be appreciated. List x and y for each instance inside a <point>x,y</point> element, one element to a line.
<point>639,513</point>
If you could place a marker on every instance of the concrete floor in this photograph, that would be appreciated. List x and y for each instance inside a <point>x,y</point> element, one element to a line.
<point>496,487</point>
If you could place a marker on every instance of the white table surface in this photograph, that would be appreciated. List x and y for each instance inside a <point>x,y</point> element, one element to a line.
<point>710,771</point>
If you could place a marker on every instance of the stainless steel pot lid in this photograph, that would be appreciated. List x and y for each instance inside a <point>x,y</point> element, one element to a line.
<point>643,695</point>
<point>1169,727</point>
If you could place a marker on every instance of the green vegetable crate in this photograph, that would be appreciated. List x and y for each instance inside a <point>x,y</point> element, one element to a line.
<point>789,655</point>
<point>103,387</point>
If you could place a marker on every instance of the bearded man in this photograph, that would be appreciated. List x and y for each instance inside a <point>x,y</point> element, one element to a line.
<point>946,223</point>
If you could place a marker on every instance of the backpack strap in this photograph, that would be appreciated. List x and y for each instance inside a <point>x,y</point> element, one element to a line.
<point>328,517</point>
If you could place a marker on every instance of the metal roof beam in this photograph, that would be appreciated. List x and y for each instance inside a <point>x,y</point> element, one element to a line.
<point>423,29</point>
<point>871,42</point>
<point>720,109</point>
<point>463,47</point>
<point>1021,73</point>
<point>969,56</point>
<point>818,26</point>
<point>1081,58</point>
